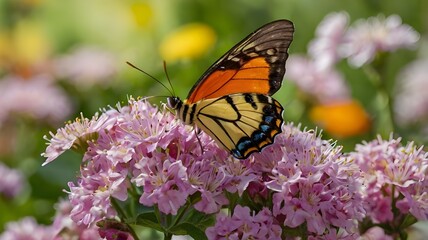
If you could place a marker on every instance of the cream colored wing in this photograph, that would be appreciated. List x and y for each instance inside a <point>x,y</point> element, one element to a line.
<point>242,123</point>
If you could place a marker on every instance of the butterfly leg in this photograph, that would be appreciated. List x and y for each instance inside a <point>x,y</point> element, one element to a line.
<point>197,132</point>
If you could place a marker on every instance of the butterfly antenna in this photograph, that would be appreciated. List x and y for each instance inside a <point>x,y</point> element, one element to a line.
<point>167,77</point>
<point>150,97</point>
<point>157,80</point>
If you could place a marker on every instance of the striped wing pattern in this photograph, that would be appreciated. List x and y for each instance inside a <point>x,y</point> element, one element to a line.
<point>256,64</point>
<point>231,101</point>
<point>242,123</point>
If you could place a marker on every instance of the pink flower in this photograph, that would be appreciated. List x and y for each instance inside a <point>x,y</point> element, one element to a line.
<point>312,184</point>
<point>86,66</point>
<point>210,182</point>
<point>239,175</point>
<point>65,228</point>
<point>89,206</point>
<point>138,144</point>
<point>76,135</point>
<point>376,34</point>
<point>324,49</point>
<point>26,229</point>
<point>148,147</point>
<point>244,225</point>
<point>377,233</point>
<point>164,185</point>
<point>11,181</point>
<point>324,84</point>
<point>114,232</point>
<point>411,102</point>
<point>37,98</point>
<point>393,171</point>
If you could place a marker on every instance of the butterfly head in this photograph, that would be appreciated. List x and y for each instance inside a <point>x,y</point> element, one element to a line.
<point>174,102</point>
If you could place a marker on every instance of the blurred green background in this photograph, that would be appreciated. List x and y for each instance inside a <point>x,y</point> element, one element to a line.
<point>81,47</point>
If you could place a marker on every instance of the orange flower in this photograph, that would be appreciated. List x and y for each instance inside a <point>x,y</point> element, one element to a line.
<point>344,119</point>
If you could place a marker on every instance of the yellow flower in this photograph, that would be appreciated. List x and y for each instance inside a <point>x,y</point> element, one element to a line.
<point>344,119</point>
<point>31,43</point>
<point>142,13</point>
<point>25,45</point>
<point>5,47</point>
<point>190,41</point>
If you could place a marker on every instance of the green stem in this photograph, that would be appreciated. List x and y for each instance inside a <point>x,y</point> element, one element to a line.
<point>183,211</point>
<point>159,216</point>
<point>167,236</point>
<point>123,218</point>
<point>384,105</point>
<point>119,210</point>
<point>180,215</point>
<point>132,232</point>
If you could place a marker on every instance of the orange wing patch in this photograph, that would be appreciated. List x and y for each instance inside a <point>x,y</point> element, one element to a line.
<point>251,77</point>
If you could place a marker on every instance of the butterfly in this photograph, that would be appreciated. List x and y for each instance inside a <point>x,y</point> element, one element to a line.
<point>232,100</point>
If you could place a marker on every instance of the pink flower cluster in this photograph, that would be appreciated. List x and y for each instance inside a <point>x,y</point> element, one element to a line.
<point>11,181</point>
<point>37,98</point>
<point>314,185</point>
<point>26,228</point>
<point>244,225</point>
<point>139,145</point>
<point>395,178</point>
<point>411,102</point>
<point>63,228</point>
<point>360,42</point>
<point>326,85</point>
<point>78,67</point>
<point>378,34</point>
<point>336,40</point>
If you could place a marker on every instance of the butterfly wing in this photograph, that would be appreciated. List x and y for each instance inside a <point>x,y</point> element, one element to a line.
<point>242,123</point>
<point>255,65</point>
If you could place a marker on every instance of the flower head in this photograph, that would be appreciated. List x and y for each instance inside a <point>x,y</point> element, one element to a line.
<point>28,229</point>
<point>324,49</point>
<point>64,228</point>
<point>37,98</point>
<point>411,103</point>
<point>189,41</point>
<point>341,119</point>
<point>375,233</point>
<point>306,177</point>
<point>393,171</point>
<point>86,66</point>
<point>11,181</point>
<point>76,134</point>
<point>245,225</point>
<point>313,185</point>
<point>139,144</point>
<point>368,37</point>
<point>26,45</point>
<point>324,84</point>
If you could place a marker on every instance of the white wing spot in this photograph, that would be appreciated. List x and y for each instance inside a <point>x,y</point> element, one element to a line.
<point>270,51</point>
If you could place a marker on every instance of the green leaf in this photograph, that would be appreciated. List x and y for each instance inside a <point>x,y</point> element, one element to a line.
<point>202,220</point>
<point>408,221</point>
<point>188,229</point>
<point>149,220</point>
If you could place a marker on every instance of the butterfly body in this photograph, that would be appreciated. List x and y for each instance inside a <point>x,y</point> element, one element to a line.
<point>231,102</point>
